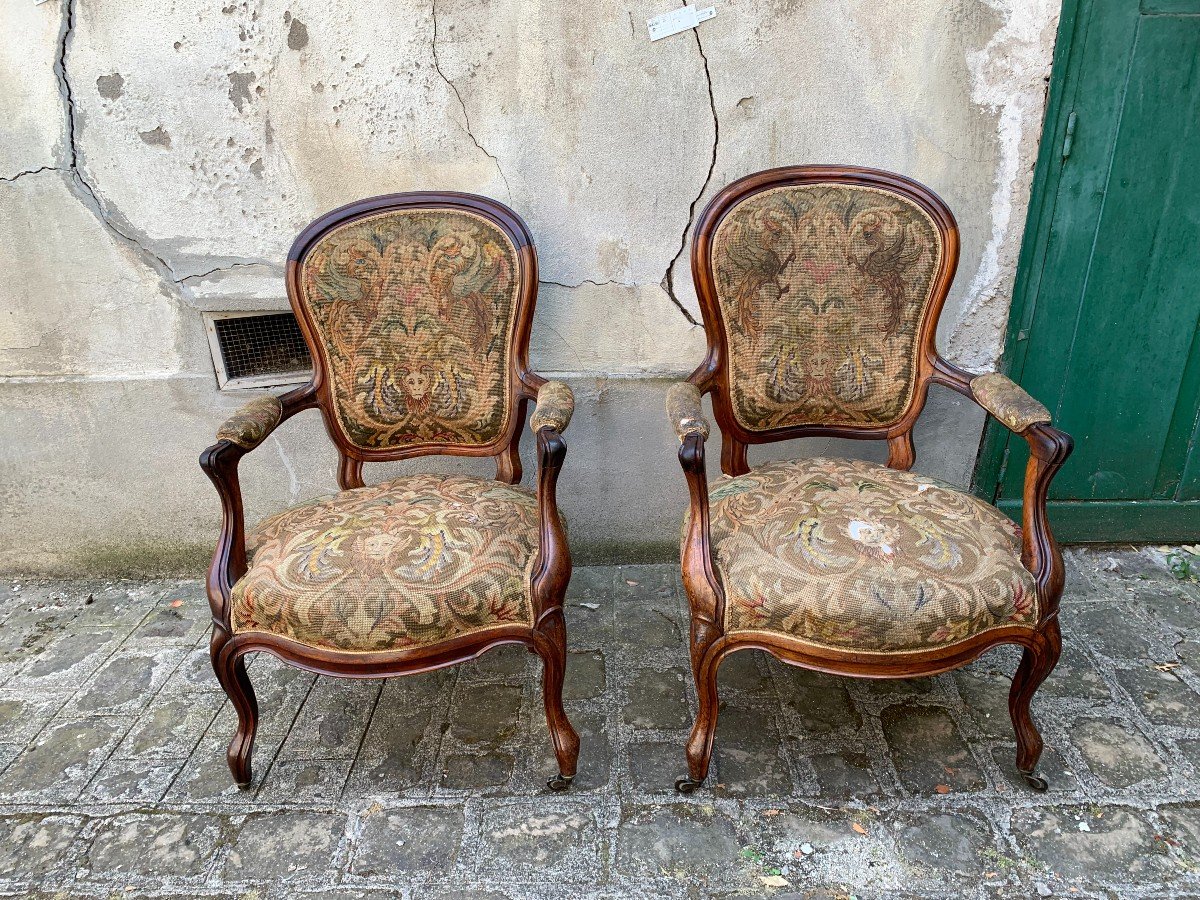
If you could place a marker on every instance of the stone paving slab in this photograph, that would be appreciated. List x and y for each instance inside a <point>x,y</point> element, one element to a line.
<point>113,780</point>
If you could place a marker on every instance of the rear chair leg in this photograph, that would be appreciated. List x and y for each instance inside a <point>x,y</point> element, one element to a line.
<point>1036,664</point>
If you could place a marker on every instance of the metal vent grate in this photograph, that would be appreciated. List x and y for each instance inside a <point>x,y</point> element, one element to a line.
<point>257,349</point>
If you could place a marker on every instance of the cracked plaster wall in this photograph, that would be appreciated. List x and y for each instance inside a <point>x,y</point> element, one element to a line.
<point>158,158</point>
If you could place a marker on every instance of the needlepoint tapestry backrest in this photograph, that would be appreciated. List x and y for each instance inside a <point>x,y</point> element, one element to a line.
<point>413,312</point>
<point>821,291</point>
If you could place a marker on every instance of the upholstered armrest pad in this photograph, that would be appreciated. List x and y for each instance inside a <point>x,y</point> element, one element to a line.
<point>250,425</point>
<point>1007,401</point>
<point>683,406</point>
<point>555,404</point>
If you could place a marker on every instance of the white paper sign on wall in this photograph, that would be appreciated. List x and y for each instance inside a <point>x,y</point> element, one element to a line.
<point>678,20</point>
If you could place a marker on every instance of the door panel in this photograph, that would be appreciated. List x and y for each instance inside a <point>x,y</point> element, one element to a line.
<point>1108,333</point>
<point>1170,6</point>
<point>1137,315</point>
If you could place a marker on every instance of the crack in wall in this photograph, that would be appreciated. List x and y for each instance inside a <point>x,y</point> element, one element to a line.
<point>88,194</point>
<point>30,172</point>
<point>437,65</point>
<point>218,269</point>
<point>82,188</point>
<point>668,281</point>
<point>590,281</point>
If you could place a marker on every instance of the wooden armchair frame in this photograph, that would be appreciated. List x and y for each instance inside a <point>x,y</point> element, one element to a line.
<point>1040,555</point>
<point>551,569</point>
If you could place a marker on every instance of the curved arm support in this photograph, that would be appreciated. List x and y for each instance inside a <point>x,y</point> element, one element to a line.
<point>1049,448</point>
<point>552,568</point>
<point>949,375</point>
<point>220,464</point>
<point>705,595</point>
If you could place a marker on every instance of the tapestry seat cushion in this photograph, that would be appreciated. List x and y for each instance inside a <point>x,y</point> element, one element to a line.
<point>854,556</point>
<point>408,563</point>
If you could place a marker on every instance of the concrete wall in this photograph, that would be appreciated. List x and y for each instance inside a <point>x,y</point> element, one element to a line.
<point>157,159</point>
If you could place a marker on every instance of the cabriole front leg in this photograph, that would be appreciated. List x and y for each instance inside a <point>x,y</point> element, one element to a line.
<point>700,742</point>
<point>1037,662</point>
<point>553,651</point>
<point>230,667</point>
<point>1040,554</point>
<point>706,610</point>
<point>700,582</point>
<point>220,463</point>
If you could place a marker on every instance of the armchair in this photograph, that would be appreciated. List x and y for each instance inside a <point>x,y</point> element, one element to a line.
<point>820,289</point>
<point>417,310</point>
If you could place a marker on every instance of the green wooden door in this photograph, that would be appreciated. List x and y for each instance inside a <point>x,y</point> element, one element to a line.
<point>1104,326</point>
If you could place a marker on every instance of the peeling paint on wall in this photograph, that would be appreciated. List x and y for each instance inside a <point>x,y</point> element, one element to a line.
<point>1009,76</point>
<point>297,38</point>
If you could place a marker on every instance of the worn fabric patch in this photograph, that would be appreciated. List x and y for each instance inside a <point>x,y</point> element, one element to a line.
<point>1008,401</point>
<point>252,422</point>
<point>685,412</point>
<point>555,406</point>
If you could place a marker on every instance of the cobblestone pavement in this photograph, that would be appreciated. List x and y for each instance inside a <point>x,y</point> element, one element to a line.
<point>113,779</point>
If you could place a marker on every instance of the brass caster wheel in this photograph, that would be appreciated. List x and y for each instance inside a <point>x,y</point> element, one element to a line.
<point>686,784</point>
<point>560,782</point>
<point>1036,782</point>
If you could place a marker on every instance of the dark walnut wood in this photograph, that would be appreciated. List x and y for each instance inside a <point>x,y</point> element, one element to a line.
<point>552,568</point>
<point>1040,554</point>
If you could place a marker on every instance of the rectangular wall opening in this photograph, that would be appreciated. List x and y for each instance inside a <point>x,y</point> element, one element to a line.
<point>257,349</point>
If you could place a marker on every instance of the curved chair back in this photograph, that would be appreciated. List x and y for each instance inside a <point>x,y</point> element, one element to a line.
<point>417,310</point>
<point>821,289</point>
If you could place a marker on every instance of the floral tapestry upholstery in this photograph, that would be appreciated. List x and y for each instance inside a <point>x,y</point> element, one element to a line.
<point>414,310</point>
<point>822,289</point>
<point>1008,401</point>
<point>855,556</point>
<point>252,422</point>
<point>407,563</point>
